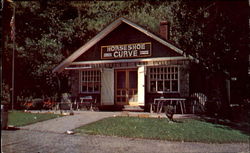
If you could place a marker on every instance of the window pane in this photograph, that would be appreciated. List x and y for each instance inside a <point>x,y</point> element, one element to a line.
<point>152,86</point>
<point>161,70</point>
<point>130,92</point>
<point>172,69</point>
<point>150,70</point>
<point>167,86</point>
<point>132,79</point>
<point>90,87</point>
<point>165,70</point>
<point>160,86</point>
<point>84,88</point>
<point>172,76</point>
<point>169,76</point>
<point>151,76</point>
<point>157,76</point>
<point>118,92</point>
<point>121,79</point>
<point>96,87</point>
<point>83,78</point>
<point>123,92</point>
<point>175,85</point>
<point>165,76</point>
<point>123,99</point>
<point>168,69</point>
<point>176,76</point>
<point>161,76</point>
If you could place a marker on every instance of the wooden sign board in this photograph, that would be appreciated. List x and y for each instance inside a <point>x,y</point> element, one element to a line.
<point>124,51</point>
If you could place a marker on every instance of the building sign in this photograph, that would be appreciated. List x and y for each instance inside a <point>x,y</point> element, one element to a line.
<point>126,51</point>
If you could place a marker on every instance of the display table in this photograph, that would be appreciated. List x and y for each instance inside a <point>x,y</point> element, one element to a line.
<point>159,102</point>
<point>87,100</point>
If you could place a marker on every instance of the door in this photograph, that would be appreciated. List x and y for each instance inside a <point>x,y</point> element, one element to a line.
<point>141,86</point>
<point>126,87</point>
<point>107,87</point>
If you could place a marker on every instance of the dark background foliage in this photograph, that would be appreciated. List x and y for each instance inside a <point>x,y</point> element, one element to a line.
<point>215,32</point>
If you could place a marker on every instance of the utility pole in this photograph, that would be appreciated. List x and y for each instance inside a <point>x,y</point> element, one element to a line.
<point>13,37</point>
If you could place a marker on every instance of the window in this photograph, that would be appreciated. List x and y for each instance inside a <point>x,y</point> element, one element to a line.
<point>90,81</point>
<point>163,79</point>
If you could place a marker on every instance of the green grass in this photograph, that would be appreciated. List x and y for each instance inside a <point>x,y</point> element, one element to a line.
<point>183,130</point>
<point>18,118</point>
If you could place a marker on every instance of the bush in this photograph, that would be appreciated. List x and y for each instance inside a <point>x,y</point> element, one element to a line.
<point>212,107</point>
<point>37,103</point>
<point>5,96</point>
<point>240,112</point>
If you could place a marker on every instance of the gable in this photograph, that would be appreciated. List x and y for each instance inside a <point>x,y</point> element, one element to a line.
<point>125,35</point>
<point>90,49</point>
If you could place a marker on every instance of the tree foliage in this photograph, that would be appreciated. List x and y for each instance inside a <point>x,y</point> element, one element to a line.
<point>47,33</point>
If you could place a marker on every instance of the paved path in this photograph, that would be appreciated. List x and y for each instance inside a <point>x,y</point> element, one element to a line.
<point>62,124</point>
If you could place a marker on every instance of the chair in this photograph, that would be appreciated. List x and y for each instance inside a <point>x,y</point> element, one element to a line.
<point>198,101</point>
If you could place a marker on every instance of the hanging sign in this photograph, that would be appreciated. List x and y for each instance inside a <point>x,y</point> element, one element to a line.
<point>126,51</point>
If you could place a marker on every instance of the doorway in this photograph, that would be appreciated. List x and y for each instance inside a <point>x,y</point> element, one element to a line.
<point>126,92</point>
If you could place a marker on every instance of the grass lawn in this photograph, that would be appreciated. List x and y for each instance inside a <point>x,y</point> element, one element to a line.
<point>18,118</point>
<point>151,128</point>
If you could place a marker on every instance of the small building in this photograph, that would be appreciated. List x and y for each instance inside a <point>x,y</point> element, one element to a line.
<point>126,64</point>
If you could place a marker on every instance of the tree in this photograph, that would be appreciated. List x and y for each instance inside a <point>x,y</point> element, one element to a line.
<point>49,32</point>
<point>42,45</point>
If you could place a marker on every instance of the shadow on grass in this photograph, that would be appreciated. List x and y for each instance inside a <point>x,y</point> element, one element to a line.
<point>243,127</point>
<point>177,121</point>
<point>173,120</point>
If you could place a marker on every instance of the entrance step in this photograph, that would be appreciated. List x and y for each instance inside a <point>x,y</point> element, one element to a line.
<point>133,108</point>
<point>121,108</point>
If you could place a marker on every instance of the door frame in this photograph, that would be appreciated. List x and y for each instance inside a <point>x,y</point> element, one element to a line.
<point>126,70</point>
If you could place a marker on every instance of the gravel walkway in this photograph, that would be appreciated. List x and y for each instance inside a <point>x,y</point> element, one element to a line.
<point>49,137</point>
<point>26,141</point>
<point>62,124</point>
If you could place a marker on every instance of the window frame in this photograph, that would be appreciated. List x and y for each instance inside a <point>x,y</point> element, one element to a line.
<point>89,80</point>
<point>153,71</point>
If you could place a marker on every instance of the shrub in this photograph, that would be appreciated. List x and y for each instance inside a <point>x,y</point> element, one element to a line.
<point>212,107</point>
<point>37,103</point>
<point>5,96</point>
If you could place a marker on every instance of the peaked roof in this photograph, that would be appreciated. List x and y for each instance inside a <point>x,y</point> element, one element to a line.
<point>104,33</point>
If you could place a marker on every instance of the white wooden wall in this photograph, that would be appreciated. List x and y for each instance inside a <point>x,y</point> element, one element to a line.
<point>141,85</point>
<point>107,87</point>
